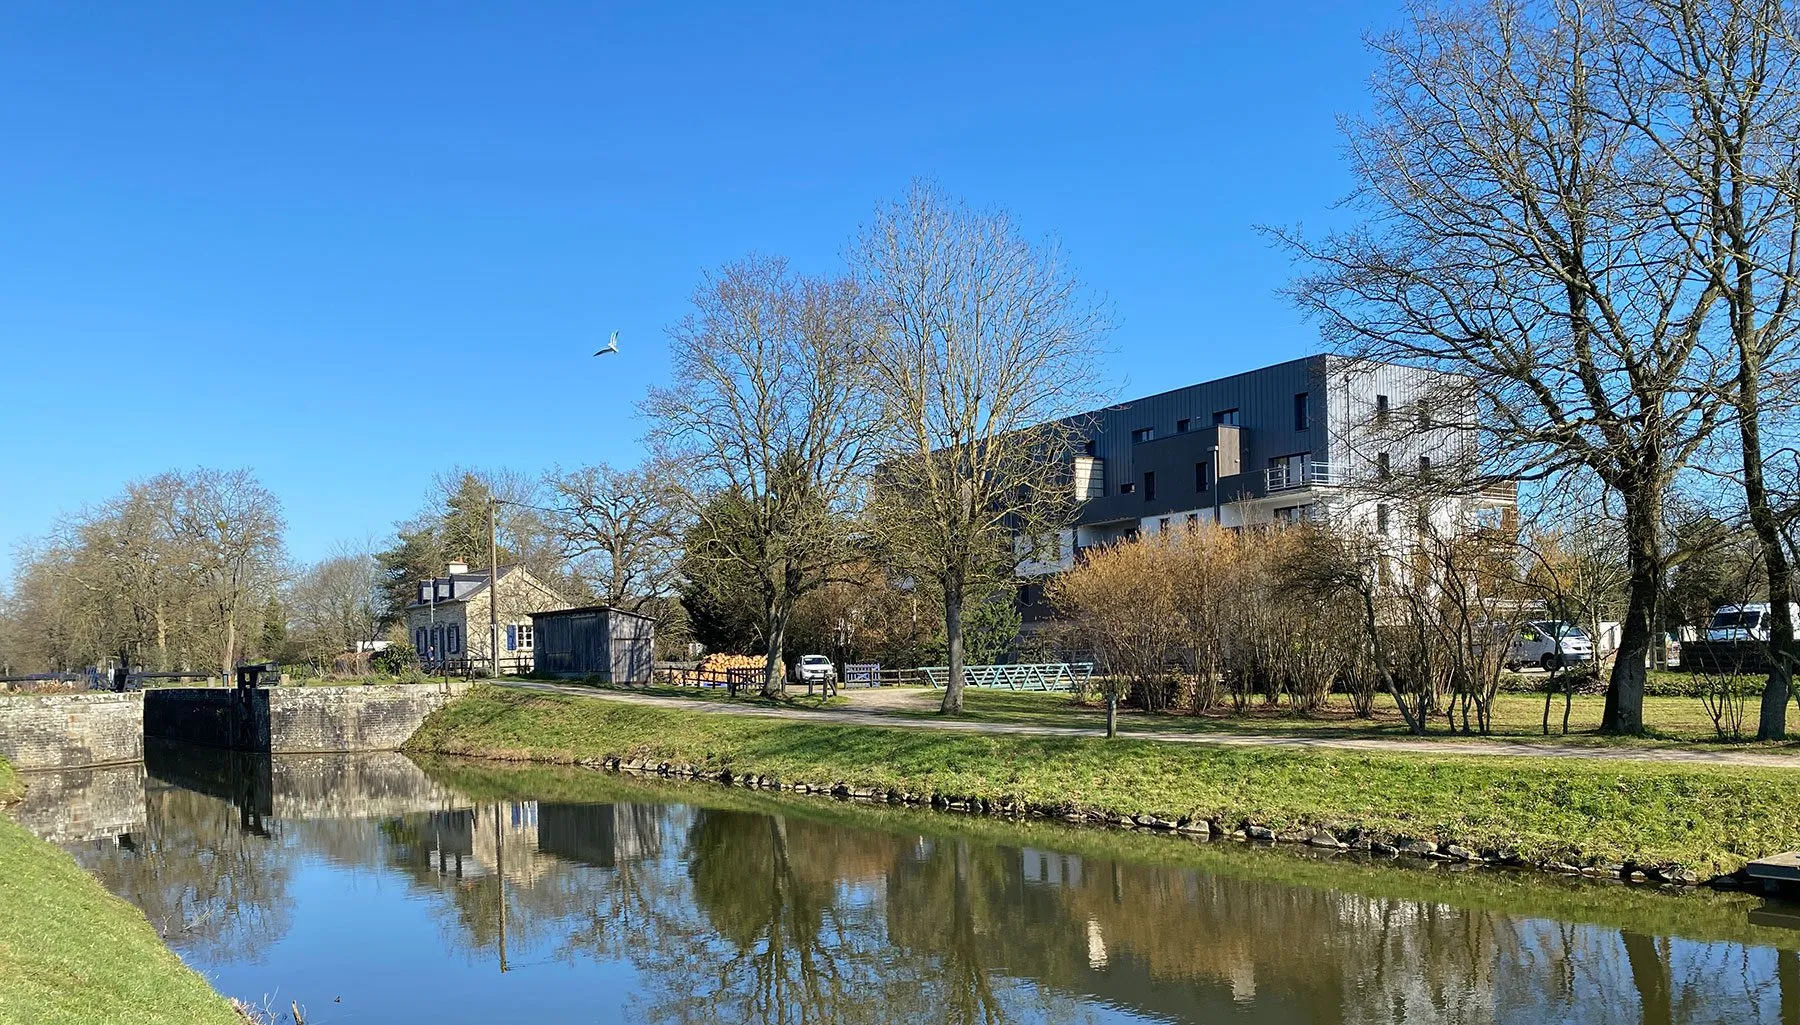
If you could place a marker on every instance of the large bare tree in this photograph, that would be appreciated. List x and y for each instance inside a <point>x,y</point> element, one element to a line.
<point>230,530</point>
<point>771,419</point>
<point>986,344</point>
<point>1725,119</point>
<point>1515,233</point>
<point>620,530</point>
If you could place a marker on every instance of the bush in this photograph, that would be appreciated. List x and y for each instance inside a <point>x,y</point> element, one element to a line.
<point>395,660</point>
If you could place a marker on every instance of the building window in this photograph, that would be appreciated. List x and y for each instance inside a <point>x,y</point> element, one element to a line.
<point>1202,476</point>
<point>1225,418</point>
<point>1385,571</point>
<point>1162,525</point>
<point>1424,416</point>
<point>1289,471</point>
<point>420,642</point>
<point>1292,514</point>
<point>525,637</point>
<point>1381,519</point>
<point>1425,466</point>
<point>1181,426</point>
<point>452,640</point>
<point>1143,434</point>
<point>1127,488</point>
<point>1193,519</point>
<point>1383,466</point>
<point>1149,487</point>
<point>1089,447</point>
<point>1423,519</point>
<point>1381,409</point>
<point>1302,416</point>
<point>437,640</point>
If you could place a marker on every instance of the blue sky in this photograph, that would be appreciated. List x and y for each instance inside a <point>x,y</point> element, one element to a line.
<point>349,247</point>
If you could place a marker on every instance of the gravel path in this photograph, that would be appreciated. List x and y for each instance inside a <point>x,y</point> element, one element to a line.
<point>877,708</point>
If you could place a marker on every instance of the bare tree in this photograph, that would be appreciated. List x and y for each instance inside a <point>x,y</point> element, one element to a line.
<point>1725,120</point>
<point>230,529</point>
<point>771,419</point>
<point>985,342</point>
<point>1516,236</point>
<point>621,531</point>
<point>335,603</point>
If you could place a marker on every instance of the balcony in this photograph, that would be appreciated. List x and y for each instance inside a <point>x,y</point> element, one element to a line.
<point>1292,476</point>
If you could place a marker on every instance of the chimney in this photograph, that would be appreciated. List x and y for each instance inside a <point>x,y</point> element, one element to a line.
<point>458,567</point>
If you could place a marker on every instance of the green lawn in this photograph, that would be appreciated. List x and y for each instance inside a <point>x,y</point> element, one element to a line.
<point>73,954</point>
<point>1518,718</point>
<point>1709,819</point>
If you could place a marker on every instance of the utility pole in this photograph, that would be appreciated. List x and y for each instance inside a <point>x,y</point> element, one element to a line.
<point>493,591</point>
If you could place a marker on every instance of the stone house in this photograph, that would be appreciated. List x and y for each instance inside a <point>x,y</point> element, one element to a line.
<point>448,622</point>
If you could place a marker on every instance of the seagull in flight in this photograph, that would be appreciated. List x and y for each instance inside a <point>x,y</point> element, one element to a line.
<point>612,345</point>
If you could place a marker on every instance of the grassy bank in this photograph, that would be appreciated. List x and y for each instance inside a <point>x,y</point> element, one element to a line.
<point>1711,820</point>
<point>73,954</point>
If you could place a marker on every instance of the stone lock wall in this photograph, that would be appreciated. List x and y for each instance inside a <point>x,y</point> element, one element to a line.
<point>55,731</point>
<point>59,731</point>
<point>380,718</point>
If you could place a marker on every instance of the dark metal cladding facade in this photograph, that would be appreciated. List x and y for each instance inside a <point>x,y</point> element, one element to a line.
<point>1264,403</point>
<point>607,643</point>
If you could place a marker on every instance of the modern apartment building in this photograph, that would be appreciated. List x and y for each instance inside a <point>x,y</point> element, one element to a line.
<point>1314,437</point>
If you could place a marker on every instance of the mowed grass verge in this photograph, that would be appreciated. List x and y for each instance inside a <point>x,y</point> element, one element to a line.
<point>73,954</point>
<point>1708,819</point>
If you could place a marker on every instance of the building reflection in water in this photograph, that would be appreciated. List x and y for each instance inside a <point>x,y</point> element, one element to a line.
<point>739,914</point>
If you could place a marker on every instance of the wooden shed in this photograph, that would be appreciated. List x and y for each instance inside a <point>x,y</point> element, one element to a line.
<point>598,640</point>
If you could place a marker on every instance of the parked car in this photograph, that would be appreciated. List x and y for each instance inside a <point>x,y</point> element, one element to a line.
<point>813,669</point>
<point>1550,644</point>
<point>1748,622</point>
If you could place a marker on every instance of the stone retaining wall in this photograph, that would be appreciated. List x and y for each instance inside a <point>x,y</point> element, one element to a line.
<point>60,731</point>
<point>56,731</point>
<point>377,718</point>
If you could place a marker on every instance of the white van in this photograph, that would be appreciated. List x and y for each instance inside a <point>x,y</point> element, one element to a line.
<point>1748,622</point>
<point>1550,644</point>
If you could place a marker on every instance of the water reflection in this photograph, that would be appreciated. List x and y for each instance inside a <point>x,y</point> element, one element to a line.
<point>351,878</point>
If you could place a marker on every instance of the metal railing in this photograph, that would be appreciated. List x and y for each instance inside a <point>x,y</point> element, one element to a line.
<point>1023,676</point>
<point>1288,476</point>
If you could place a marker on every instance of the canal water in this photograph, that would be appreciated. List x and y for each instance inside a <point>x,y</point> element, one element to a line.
<point>373,889</point>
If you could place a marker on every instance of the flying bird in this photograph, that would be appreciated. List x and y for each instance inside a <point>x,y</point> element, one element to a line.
<point>612,345</point>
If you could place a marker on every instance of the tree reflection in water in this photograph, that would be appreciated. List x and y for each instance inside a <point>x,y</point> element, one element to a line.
<point>729,914</point>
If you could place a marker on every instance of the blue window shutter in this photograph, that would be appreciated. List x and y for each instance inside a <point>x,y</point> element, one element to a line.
<point>512,637</point>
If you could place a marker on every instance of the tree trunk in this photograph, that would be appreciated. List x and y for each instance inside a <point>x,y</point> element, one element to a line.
<point>774,668</point>
<point>1625,691</point>
<point>1112,715</point>
<point>230,643</point>
<point>1771,723</point>
<point>953,609</point>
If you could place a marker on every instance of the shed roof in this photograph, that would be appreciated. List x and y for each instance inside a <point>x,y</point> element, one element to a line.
<point>588,608</point>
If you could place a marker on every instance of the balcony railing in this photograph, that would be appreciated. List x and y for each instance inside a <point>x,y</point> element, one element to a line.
<point>1289,476</point>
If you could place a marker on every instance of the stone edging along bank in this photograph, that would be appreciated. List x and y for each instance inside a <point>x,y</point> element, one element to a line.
<point>1353,841</point>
